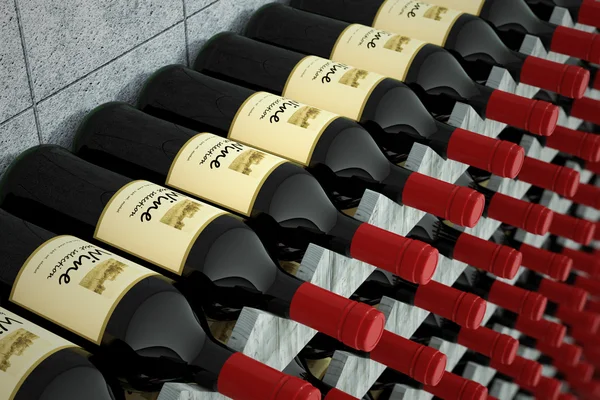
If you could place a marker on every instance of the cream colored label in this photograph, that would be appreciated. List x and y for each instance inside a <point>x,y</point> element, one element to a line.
<point>469,6</point>
<point>23,346</point>
<point>386,53</point>
<point>332,86</point>
<point>75,284</point>
<point>428,22</point>
<point>154,223</point>
<point>222,171</point>
<point>293,133</point>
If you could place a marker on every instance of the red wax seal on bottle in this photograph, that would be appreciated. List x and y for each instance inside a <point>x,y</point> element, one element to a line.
<point>576,43</point>
<point>561,180</point>
<point>531,217</point>
<point>581,144</point>
<point>522,370</point>
<point>568,354</point>
<point>588,195</point>
<point>495,345</point>
<point>556,266</point>
<point>543,330</point>
<point>586,109</point>
<point>501,261</point>
<point>563,294</point>
<point>576,229</point>
<point>454,387</point>
<point>524,302</point>
<point>585,262</point>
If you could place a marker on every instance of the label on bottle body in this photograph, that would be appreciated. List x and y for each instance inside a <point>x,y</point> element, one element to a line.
<point>469,6</point>
<point>292,132</point>
<point>386,53</point>
<point>154,223</point>
<point>23,346</point>
<point>332,85</point>
<point>428,22</point>
<point>222,171</point>
<point>75,284</point>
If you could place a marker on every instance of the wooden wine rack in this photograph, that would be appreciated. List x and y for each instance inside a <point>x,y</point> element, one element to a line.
<point>276,341</point>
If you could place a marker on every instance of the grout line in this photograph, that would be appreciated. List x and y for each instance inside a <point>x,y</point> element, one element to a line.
<point>185,30</point>
<point>28,70</point>
<point>17,115</point>
<point>204,8</point>
<point>108,62</point>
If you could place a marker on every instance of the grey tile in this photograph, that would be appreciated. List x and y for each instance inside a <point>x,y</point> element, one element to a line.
<point>14,88</point>
<point>67,39</point>
<point>193,6</point>
<point>121,80</point>
<point>226,15</point>
<point>16,135</point>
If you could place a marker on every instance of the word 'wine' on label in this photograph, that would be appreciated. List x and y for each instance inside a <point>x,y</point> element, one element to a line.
<point>23,346</point>
<point>280,126</point>
<point>77,285</point>
<point>374,50</point>
<point>332,86</point>
<point>222,171</point>
<point>154,223</point>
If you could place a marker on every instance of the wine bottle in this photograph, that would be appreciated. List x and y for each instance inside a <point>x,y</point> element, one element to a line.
<point>521,371</point>
<point>556,266</point>
<point>585,283</point>
<point>283,200</point>
<point>513,19</point>
<point>586,12</point>
<point>586,108</point>
<point>582,261</point>
<point>421,363</point>
<point>566,353</point>
<point>578,143</point>
<point>454,244</point>
<point>521,214</point>
<point>542,330</point>
<point>574,319</point>
<point>37,364</point>
<point>386,107</point>
<point>465,309</point>
<point>546,388</point>
<point>188,98</point>
<point>560,293</point>
<point>523,302</point>
<point>482,340</point>
<point>103,299</point>
<point>451,387</point>
<point>470,38</point>
<point>432,72</point>
<point>189,240</point>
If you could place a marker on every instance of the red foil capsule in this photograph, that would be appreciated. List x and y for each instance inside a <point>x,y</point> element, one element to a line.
<point>244,378</point>
<point>420,362</point>
<point>586,109</point>
<point>590,285</point>
<point>547,388</point>
<point>556,266</point>
<point>410,259</point>
<point>495,345</point>
<point>499,157</point>
<point>535,116</point>
<point>576,43</point>
<point>584,262</point>
<point>589,14</point>
<point>459,205</point>
<point>568,354</point>
<point>523,371</point>
<point>501,261</point>
<point>576,229</point>
<point>579,319</point>
<point>337,394</point>
<point>463,308</point>
<point>563,294</point>
<point>531,217</point>
<point>588,195</point>
<point>544,330</point>
<point>454,387</point>
<point>524,302</point>
<point>581,144</point>
<point>562,180</point>
<point>568,80</point>
<point>355,324</point>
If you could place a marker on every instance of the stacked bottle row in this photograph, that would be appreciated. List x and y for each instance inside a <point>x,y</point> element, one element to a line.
<point>274,137</point>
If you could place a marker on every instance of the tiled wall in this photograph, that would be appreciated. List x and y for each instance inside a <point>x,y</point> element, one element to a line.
<point>61,58</point>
